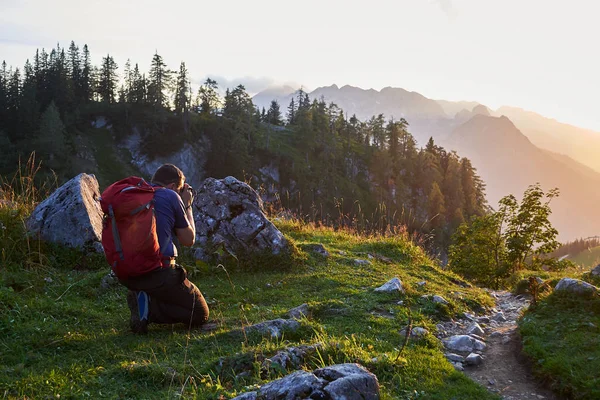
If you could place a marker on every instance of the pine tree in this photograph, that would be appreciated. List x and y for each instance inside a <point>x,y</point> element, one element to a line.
<point>436,207</point>
<point>159,82</point>
<point>208,98</point>
<point>51,139</point>
<point>182,96</point>
<point>74,65</point>
<point>291,114</point>
<point>86,84</point>
<point>138,86</point>
<point>273,116</point>
<point>108,79</point>
<point>29,107</point>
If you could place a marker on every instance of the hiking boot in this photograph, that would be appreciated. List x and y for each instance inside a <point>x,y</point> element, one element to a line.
<point>138,303</point>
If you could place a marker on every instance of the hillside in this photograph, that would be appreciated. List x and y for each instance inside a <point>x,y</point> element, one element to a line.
<point>65,330</point>
<point>509,162</point>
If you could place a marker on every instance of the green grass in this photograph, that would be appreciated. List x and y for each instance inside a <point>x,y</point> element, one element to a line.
<point>61,334</point>
<point>562,337</point>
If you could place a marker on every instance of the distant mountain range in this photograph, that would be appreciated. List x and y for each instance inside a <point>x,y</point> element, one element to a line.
<point>511,148</point>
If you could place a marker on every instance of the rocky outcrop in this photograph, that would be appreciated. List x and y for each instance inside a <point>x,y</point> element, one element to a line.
<point>71,216</point>
<point>230,213</point>
<point>575,286</point>
<point>342,381</point>
<point>190,158</point>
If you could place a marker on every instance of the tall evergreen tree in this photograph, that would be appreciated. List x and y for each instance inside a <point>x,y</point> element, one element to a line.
<point>291,113</point>
<point>52,140</point>
<point>208,97</point>
<point>86,84</point>
<point>108,80</point>
<point>273,116</point>
<point>159,82</point>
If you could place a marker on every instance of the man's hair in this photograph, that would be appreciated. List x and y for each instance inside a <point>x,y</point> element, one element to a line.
<point>167,174</point>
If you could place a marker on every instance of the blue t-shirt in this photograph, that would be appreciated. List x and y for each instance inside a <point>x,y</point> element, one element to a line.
<point>170,215</point>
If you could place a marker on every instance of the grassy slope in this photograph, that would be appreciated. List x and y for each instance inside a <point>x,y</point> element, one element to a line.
<point>562,336</point>
<point>60,333</point>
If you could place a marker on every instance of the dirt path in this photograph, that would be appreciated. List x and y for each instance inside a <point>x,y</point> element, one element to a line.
<point>503,370</point>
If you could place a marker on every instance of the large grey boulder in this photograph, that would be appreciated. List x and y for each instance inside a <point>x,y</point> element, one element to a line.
<point>349,382</point>
<point>596,271</point>
<point>71,216</point>
<point>463,343</point>
<point>575,286</point>
<point>230,213</point>
<point>337,382</point>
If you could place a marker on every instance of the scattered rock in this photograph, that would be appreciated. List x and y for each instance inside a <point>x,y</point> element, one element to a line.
<point>342,252</point>
<point>71,216</point>
<point>48,279</point>
<point>393,285</point>
<point>349,381</point>
<point>575,286</point>
<point>342,381</point>
<point>458,366</point>
<point>417,331</point>
<point>299,312</point>
<point>454,357</point>
<point>318,249</point>
<point>477,337</point>
<point>228,212</point>
<point>499,317</point>
<point>463,343</point>
<point>595,271</point>
<point>359,263</point>
<point>275,327</point>
<point>475,328</point>
<point>440,300</point>
<point>109,280</point>
<point>474,359</point>
<point>292,357</point>
<point>422,283</point>
<point>483,320</point>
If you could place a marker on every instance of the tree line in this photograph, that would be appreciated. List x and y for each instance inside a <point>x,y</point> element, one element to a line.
<point>333,167</point>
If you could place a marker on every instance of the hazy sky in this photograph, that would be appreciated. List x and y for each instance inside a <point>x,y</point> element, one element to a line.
<point>541,55</point>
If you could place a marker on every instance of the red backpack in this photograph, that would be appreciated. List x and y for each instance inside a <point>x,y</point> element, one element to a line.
<point>129,231</point>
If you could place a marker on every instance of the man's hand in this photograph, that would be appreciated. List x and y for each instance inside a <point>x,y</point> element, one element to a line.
<point>187,195</point>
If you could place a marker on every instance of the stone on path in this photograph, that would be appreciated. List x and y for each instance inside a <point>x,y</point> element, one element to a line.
<point>474,359</point>
<point>463,343</point>
<point>475,328</point>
